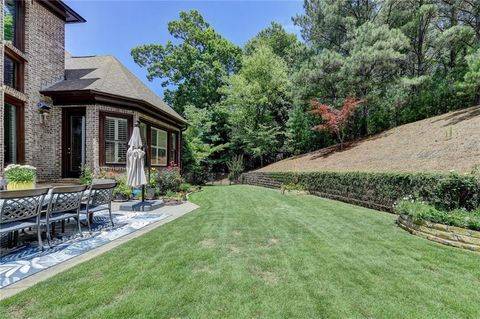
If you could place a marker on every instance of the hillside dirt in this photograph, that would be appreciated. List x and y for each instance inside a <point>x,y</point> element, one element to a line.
<point>439,144</point>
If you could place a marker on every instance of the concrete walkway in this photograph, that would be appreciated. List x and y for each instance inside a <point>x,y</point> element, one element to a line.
<point>174,212</point>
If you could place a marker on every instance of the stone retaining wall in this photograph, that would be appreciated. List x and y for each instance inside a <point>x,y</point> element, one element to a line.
<point>264,180</point>
<point>260,179</point>
<point>444,234</point>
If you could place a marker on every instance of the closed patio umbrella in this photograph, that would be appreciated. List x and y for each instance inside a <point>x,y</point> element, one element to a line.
<point>136,156</point>
<point>136,161</point>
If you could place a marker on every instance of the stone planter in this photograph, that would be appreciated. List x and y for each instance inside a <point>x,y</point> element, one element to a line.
<point>444,234</point>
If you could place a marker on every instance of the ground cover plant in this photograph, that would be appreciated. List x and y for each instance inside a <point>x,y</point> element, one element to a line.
<point>421,211</point>
<point>251,252</point>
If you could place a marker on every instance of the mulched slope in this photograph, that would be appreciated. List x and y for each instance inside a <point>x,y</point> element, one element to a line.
<point>439,144</point>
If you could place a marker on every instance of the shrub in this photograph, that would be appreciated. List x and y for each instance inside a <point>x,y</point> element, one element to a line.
<point>185,187</point>
<point>168,179</point>
<point>421,211</point>
<point>375,190</point>
<point>122,187</point>
<point>457,192</point>
<point>235,168</point>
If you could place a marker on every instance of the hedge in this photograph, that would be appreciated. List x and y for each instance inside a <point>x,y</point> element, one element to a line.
<point>378,190</point>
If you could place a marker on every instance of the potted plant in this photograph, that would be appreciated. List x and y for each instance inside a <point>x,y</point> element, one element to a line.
<point>122,192</point>
<point>20,176</point>
<point>86,175</point>
<point>150,189</point>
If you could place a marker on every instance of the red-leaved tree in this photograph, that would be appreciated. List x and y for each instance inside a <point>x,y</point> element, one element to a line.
<point>335,120</point>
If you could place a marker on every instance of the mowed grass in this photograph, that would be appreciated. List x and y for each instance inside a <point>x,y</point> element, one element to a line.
<point>250,252</point>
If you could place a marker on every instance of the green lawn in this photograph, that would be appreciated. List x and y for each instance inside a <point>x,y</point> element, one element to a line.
<point>250,252</point>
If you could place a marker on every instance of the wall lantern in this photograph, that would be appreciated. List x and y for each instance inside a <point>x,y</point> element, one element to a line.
<point>44,110</point>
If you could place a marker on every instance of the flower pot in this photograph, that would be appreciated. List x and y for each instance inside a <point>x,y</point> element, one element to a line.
<point>15,186</point>
<point>150,192</point>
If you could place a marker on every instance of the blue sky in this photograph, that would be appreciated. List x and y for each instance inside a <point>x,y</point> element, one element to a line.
<point>115,27</point>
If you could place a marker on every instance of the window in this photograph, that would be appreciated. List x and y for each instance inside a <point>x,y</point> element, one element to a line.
<point>159,140</point>
<point>10,17</point>
<point>10,72</point>
<point>116,140</point>
<point>13,73</point>
<point>13,22</point>
<point>12,133</point>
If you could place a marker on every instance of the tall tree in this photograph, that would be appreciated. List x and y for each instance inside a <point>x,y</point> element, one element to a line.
<point>257,100</point>
<point>283,44</point>
<point>194,67</point>
<point>326,23</point>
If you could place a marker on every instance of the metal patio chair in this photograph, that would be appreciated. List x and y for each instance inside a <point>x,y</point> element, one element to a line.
<point>99,199</point>
<point>21,209</point>
<point>64,204</point>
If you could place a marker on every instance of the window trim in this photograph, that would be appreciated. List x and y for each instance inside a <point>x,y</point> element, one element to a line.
<point>101,135</point>
<point>20,128</point>
<point>19,74</point>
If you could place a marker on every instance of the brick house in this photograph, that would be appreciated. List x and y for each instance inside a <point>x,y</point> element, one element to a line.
<point>59,112</point>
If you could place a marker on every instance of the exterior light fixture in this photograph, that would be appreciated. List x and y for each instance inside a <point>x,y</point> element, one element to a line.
<point>44,110</point>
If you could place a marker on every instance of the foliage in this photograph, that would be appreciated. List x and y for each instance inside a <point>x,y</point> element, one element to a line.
<point>235,168</point>
<point>168,179</point>
<point>122,187</point>
<point>257,102</point>
<point>380,190</point>
<point>292,186</point>
<point>299,136</point>
<point>171,194</point>
<point>407,60</point>
<point>195,63</point>
<point>283,44</point>
<point>15,173</point>
<point>86,175</point>
<point>471,80</point>
<point>185,188</point>
<point>335,120</point>
<point>201,140</point>
<point>422,211</point>
<point>457,192</point>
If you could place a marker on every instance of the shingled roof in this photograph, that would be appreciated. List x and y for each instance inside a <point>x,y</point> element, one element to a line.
<point>105,74</point>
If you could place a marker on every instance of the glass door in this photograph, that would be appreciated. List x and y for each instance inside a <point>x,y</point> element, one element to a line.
<point>74,142</point>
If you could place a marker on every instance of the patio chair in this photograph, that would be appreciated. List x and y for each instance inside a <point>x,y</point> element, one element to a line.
<point>64,204</point>
<point>21,209</point>
<point>99,199</point>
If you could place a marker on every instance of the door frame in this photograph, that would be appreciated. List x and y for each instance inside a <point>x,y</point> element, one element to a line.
<point>66,113</point>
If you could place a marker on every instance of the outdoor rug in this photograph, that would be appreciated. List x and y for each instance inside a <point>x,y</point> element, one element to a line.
<point>28,259</point>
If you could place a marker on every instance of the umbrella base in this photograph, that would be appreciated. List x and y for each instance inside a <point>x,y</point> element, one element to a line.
<point>139,206</point>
